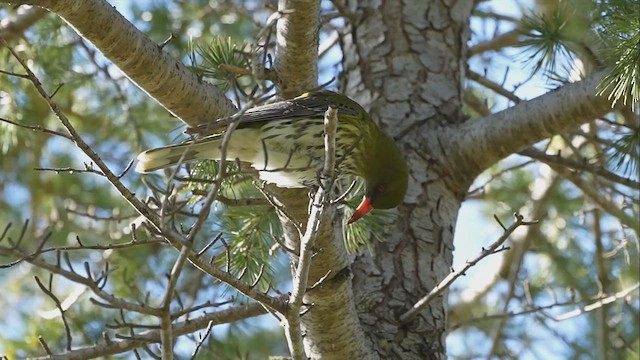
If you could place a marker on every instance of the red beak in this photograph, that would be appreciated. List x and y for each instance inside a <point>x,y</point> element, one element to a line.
<point>361,210</point>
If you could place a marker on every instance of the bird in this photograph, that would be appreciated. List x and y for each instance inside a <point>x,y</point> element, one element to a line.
<point>284,142</point>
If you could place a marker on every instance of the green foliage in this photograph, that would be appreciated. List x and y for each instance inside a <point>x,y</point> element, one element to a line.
<point>624,155</point>
<point>235,185</point>
<point>252,227</point>
<point>371,227</point>
<point>556,38</point>
<point>219,59</point>
<point>619,29</point>
<point>578,252</point>
<point>250,232</point>
<point>547,39</point>
<point>243,342</point>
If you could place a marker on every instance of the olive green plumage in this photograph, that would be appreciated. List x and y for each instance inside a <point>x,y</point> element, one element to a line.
<point>284,142</point>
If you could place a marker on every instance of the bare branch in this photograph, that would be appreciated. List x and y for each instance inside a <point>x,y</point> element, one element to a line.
<point>112,347</point>
<point>577,165</point>
<point>70,170</point>
<point>172,84</point>
<point>531,309</point>
<point>89,283</point>
<point>320,200</point>
<point>453,276</point>
<point>113,179</point>
<point>44,345</point>
<point>48,291</point>
<point>499,42</point>
<point>37,127</point>
<point>202,339</point>
<point>598,304</point>
<point>497,88</point>
<point>480,143</point>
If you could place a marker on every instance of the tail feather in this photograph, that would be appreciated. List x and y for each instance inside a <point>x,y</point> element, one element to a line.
<point>166,156</point>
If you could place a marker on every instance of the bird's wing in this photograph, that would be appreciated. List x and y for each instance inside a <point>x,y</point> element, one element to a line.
<point>305,106</point>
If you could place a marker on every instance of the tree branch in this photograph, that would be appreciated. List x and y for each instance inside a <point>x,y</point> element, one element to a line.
<point>446,282</point>
<point>479,144</point>
<point>296,59</point>
<point>499,42</point>
<point>597,304</point>
<point>579,165</point>
<point>109,346</point>
<point>176,239</point>
<point>533,309</point>
<point>321,199</point>
<point>15,27</point>
<point>170,83</point>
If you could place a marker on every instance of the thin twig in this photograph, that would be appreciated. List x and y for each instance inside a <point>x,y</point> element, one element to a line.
<point>453,276</point>
<point>579,165</point>
<point>71,170</point>
<point>44,345</point>
<point>37,128</point>
<point>497,88</point>
<point>207,332</point>
<point>320,200</point>
<point>597,304</point>
<point>123,344</point>
<point>77,139</point>
<point>48,291</point>
<point>172,236</point>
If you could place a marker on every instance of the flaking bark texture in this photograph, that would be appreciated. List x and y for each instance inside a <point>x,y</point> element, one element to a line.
<point>405,62</point>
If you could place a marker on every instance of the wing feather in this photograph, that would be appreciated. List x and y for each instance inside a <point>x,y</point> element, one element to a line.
<point>309,105</point>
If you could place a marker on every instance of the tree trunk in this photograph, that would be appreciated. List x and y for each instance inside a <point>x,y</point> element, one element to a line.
<point>406,63</point>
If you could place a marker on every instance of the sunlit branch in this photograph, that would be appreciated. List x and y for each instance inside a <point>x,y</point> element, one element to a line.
<point>320,200</point>
<point>453,276</point>
<point>597,304</point>
<point>579,165</point>
<point>108,346</point>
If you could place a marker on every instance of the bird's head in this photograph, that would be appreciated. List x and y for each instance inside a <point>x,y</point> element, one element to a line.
<point>386,176</point>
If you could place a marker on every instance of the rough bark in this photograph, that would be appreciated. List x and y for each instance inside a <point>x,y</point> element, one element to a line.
<point>405,60</point>
<point>330,325</point>
<point>338,335</point>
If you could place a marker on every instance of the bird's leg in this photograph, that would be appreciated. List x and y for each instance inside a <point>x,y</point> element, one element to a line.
<point>313,189</point>
<point>319,177</point>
